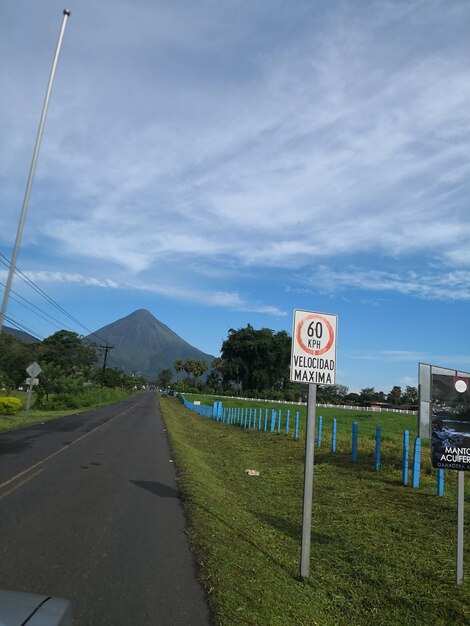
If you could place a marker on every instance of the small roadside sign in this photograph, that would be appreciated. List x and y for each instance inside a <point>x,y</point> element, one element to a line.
<point>313,352</point>
<point>34,369</point>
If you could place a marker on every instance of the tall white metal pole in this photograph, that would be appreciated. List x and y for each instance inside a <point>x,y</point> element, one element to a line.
<point>308,482</point>
<point>32,170</point>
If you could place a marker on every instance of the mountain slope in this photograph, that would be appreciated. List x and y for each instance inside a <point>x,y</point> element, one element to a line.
<point>143,344</point>
<point>23,336</point>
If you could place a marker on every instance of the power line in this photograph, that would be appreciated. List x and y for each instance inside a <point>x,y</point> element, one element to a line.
<point>43,294</point>
<point>21,326</point>
<point>4,260</point>
<point>45,315</point>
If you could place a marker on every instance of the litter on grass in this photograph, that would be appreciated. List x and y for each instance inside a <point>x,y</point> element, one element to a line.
<point>252,472</point>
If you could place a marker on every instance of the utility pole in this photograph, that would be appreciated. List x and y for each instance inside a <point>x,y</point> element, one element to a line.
<point>106,349</point>
<point>31,171</point>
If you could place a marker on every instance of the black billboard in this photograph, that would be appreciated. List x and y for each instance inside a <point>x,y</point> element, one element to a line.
<point>450,421</point>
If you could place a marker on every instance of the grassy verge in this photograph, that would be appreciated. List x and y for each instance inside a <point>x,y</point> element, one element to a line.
<point>99,397</point>
<point>381,553</point>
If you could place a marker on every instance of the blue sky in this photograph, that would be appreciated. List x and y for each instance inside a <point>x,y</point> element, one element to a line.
<point>223,163</point>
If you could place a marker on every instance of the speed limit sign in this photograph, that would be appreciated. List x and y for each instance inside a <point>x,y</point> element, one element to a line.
<point>313,352</point>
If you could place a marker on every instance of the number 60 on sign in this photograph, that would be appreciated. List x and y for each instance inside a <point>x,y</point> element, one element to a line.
<point>313,352</point>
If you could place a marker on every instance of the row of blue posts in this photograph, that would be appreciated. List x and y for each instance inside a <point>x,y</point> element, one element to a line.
<point>250,418</point>
<point>416,467</point>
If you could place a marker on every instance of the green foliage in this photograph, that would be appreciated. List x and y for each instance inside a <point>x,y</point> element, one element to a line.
<point>195,367</point>
<point>256,359</point>
<point>331,394</point>
<point>394,396</point>
<point>83,398</point>
<point>410,395</point>
<point>66,350</point>
<point>15,357</point>
<point>164,378</point>
<point>53,380</point>
<point>369,394</point>
<point>9,406</point>
<point>113,377</point>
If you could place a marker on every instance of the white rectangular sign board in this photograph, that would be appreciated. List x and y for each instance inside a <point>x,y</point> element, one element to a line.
<point>313,352</point>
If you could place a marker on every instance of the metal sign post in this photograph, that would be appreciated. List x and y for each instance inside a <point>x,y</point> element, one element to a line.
<point>313,360</point>
<point>33,370</point>
<point>308,482</point>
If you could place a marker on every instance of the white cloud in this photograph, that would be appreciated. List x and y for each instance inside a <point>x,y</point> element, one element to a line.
<point>430,285</point>
<point>65,277</point>
<point>191,135</point>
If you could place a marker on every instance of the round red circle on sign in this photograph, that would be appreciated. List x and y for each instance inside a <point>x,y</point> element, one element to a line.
<point>331,334</point>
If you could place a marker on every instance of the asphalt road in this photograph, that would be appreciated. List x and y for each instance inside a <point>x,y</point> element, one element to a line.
<point>89,511</point>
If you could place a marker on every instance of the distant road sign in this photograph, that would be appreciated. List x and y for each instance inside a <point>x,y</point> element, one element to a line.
<point>34,369</point>
<point>313,352</point>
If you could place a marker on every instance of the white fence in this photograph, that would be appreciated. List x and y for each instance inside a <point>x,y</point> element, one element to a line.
<point>333,406</point>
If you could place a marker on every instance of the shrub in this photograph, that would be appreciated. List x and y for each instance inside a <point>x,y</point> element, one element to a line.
<point>9,406</point>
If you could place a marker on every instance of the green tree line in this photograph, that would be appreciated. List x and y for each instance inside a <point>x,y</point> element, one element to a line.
<point>68,365</point>
<point>256,363</point>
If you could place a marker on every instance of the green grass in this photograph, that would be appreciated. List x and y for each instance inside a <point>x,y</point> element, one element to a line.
<point>92,400</point>
<point>381,553</point>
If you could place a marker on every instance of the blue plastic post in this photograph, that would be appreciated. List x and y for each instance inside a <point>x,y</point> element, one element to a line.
<point>249,419</point>
<point>273,420</point>
<point>279,421</point>
<point>406,456</point>
<point>255,416</point>
<point>354,442</point>
<point>333,435</point>
<point>259,419</point>
<point>416,463</point>
<point>266,420</point>
<point>320,430</point>
<point>214,410</point>
<point>246,417</point>
<point>296,431</point>
<point>378,434</point>
<point>287,422</point>
<point>440,482</point>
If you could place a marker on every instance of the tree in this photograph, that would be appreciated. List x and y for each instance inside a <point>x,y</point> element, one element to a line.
<point>164,378</point>
<point>67,350</point>
<point>256,359</point>
<point>410,395</point>
<point>196,367</point>
<point>15,356</point>
<point>369,394</point>
<point>214,379</point>
<point>178,365</point>
<point>394,396</point>
<point>332,394</point>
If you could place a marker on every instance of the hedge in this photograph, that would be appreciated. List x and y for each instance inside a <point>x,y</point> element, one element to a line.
<point>9,406</point>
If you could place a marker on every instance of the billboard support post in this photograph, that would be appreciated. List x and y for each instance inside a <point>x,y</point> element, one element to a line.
<point>460,517</point>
